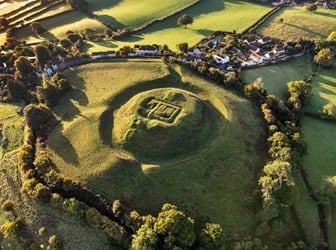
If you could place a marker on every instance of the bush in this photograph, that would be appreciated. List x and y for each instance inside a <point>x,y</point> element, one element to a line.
<point>11,229</point>
<point>41,192</point>
<point>311,7</point>
<point>37,28</point>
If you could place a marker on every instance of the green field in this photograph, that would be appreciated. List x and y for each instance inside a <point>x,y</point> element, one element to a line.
<point>299,23</point>
<point>117,13</point>
<point>10,127</point>
<point>275,77</point>
<point>324,90</point>
<point>219,15</point>
<point>209,183</point>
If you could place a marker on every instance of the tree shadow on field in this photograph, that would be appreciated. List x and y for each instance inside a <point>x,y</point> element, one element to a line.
<point>309,31</point>
<point>119,181</point>
<point>103,4</point>
<point>67,109</point>
<point>112,21</point>
<point>63,147</point>
<point>331,15</point>
<point>204,32</point>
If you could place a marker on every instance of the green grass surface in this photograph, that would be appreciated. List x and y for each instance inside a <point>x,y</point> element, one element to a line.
<point>219,15</point>
<point>307,212</point>
<point>117,13</point>
<point>11,126</point>
<point>275,77</point>
<point>8,7</point>
<point>324,90</point>
<point>210,185</point>
<point>299,23</point>
<point>321,159</point>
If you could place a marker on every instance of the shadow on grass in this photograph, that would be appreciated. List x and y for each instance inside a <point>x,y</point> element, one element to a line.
<point>305,29</point>
<point>94,5</point>
<point>112,21</point>
<point>331,15</point>
<point>63,147</point>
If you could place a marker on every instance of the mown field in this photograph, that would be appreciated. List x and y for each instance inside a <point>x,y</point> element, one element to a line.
<point>219,15</point>
<point>299,23</point>
<point>210,185</point>
<point>275,77</point>
<point>117,13</point>
<point>10,127</point>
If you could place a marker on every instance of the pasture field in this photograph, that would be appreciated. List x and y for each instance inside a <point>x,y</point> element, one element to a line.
<point>324,90</point>
<point>208,18</point>
<point>117,13</point>
<point>10,127</point>
<point>210,183</point>
<point>10,6</point>
<point>58,26</point>
<point>299,23</point>
<point>275,77</point>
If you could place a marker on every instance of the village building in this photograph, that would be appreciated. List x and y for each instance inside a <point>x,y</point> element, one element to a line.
<point>144,50</point>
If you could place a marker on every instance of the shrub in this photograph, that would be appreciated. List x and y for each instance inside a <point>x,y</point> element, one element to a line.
<point>324,57</point>
<point>11,229</point>
<point>41,192</point>
<point>329,111</point>
<point>54,243</point>
<point>311,7</point>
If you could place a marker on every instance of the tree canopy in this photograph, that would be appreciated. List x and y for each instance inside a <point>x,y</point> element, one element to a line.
<point>185,20</point>
<point>23,66</point>
<point>42,54</point>
<point>172,229</point>
<point>324,57</point>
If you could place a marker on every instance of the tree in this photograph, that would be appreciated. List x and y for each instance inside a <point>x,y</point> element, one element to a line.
<point>331,37</point>
<point>37,116</point>
<point>329,111</point>
<point>185,20</point>
<point>311,7</point>
<point>37,28</point>
<point>301,88</point>
<point>24,67</point>
<point>183,47</point>
<point>212,236</point>
<point>42,54</point>
<point>328,189</point>
<point>4,22</point>
<point>324,58</point>
<point>172,229</point>
<point>78,4</point>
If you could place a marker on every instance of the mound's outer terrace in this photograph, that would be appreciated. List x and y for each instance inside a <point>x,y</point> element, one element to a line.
<point>163,123</point>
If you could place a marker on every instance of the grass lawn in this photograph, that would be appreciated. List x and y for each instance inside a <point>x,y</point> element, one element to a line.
<point>209,184</point>
<point>307,212</point>
<point>8,7</point>
<point>59,25</point>
<point>321,159</point>
<point>10,127</point>
<point>219,15</point>
<point>324,90</point>
<point>275,77</point>
<point>117,13</point>
<point>297,23</point>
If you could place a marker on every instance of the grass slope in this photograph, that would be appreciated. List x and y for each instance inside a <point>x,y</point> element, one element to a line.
<point>298,22</point>
<point>211,185</point>
<point>275,77</point>
<point>117,13</point>
<point>10,127</point>
<point>219,15</point>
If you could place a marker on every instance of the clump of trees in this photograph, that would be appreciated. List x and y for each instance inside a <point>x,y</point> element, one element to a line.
<point>4,24</point>
<point>324,57</point>
<point>185,19</point>
<point>51,89</point>
<point>42,54</point>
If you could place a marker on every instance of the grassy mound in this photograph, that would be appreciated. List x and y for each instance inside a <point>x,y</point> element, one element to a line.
<point>209,180</point>
<point>163,123</point>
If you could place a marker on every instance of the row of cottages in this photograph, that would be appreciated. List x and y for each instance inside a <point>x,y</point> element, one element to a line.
<point>146,50</point>
<point>105,54</point>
